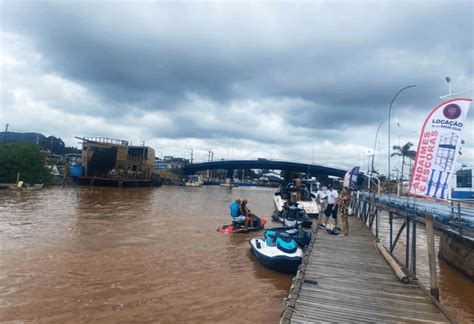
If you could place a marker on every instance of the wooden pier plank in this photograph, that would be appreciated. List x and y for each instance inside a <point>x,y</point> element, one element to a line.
<point>354,284</point>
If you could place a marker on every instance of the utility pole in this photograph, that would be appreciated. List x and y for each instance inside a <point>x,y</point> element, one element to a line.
<point>208,160</point>
<point>5,134</point>
<point>192,152</point>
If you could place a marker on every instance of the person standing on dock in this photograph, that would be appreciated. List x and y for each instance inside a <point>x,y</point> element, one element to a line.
<point>331,209</point>
<point>297,183</point>
<point>344,202</point>
<point>322,201</point>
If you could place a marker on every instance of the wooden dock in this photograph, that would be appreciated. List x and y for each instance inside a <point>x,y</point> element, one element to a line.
<point>346,279</point>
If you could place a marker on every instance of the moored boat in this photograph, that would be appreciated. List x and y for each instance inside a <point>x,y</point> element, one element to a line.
<point>193,181</point>
<point>303,197</point>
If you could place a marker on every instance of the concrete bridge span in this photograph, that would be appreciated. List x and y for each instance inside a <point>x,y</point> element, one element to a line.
<point>231,165</point>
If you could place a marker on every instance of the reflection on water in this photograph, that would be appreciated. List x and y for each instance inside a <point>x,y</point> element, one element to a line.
<point>106,254</point>
<point>151,254</point>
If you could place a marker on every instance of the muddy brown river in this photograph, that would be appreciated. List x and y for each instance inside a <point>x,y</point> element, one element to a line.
<point>104,255</point>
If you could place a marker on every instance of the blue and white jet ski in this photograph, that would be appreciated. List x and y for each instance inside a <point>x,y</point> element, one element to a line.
<point>277,252</point>
<point>301,237</point>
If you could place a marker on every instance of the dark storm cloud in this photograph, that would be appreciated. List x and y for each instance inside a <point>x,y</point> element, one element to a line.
<point>342,61</point>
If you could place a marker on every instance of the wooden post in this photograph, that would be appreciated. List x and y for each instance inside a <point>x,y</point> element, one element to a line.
<point>413,249</point>
<point>407,244</point>
<point>377,212</point>
<point>371,216</point>
<point>432,257</point>
<point>390,219</point>
<point>459,218</point>
<point>364,211</point>
<point>65,172</point>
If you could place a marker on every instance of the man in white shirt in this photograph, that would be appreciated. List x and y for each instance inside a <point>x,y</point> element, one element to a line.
<point>331,209</point>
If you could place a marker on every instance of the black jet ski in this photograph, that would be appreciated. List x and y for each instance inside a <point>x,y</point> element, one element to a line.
<point>293,216</point>
<point>277,252</point>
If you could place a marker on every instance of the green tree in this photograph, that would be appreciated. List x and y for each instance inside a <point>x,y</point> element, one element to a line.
<point>405,152</point>
<point>26,159</point>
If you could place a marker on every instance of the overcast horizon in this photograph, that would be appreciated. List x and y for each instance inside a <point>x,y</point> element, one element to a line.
<point>303,82</point>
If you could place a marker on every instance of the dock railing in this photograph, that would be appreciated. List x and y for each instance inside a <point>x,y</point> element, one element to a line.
<point>458,206</point>
<point>368,209</point>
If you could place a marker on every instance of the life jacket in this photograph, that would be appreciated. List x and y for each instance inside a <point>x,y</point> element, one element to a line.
<point>234,209</point>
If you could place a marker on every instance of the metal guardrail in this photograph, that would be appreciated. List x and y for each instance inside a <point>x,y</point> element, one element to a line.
<point>107,140</point>
<point>457,206</point>
<point>457,215</point>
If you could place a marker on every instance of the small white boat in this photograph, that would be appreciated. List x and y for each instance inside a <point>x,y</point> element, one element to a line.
<point>26,187</point>
<point>306,200</point>
<point>193,181</point>
<point>228,185</point>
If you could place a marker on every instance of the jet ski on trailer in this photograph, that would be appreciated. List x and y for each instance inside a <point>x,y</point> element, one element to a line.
<point>258,224</point>
<point>277,252</point>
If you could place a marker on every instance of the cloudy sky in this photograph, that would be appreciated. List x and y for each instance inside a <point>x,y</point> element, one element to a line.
<point>299,81</point>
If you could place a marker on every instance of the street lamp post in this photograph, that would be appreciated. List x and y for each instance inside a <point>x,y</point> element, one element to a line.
<point>389,111</point>
<point>375,147</point>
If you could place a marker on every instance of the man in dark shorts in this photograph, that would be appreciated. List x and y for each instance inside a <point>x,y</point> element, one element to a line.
<point>331,209</point>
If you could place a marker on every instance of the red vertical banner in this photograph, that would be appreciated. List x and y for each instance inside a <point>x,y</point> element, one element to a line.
<point>438,148</point>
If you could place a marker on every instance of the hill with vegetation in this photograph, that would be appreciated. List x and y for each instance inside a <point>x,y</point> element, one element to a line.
<point>53,144</point>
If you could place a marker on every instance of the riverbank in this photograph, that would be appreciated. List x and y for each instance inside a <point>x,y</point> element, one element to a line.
<point>457,251</point>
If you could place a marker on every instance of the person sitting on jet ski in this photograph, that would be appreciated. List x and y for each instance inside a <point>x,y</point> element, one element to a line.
<point>235,213</point>
<point>246,212</point>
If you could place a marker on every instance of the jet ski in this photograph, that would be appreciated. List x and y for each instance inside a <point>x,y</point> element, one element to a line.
<point>293,216</point>
<point>301,237</point>
<point>277,252</point>
<point>258,224</point>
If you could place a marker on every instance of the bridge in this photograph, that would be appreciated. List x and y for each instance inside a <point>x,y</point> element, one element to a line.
<point>231,165</point>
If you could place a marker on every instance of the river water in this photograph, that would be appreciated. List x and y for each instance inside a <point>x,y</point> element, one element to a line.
<point>101,255</point>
